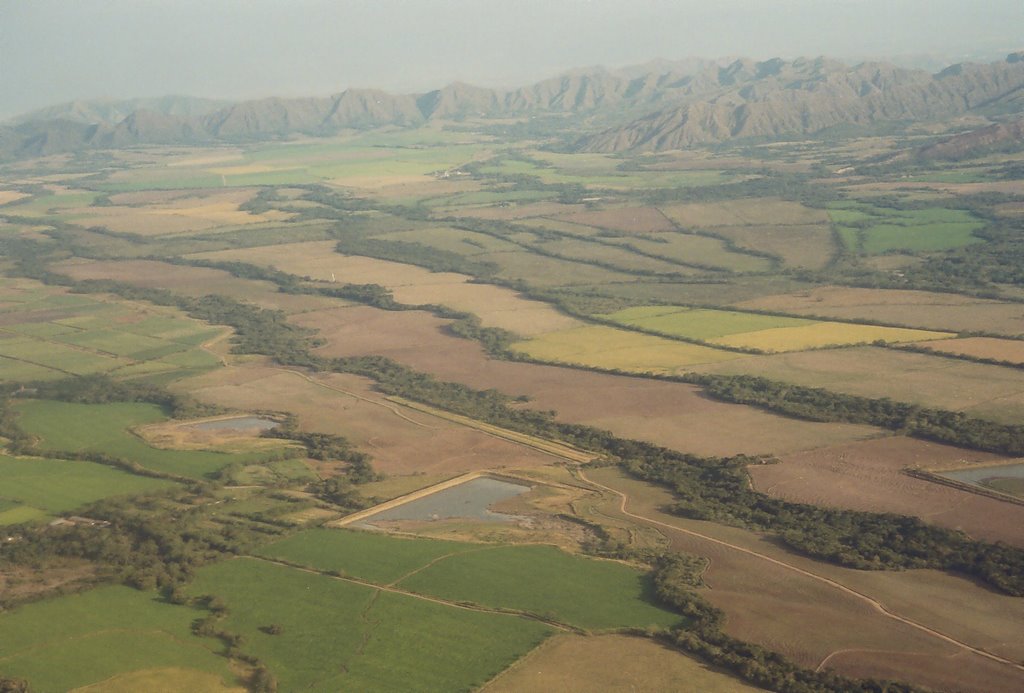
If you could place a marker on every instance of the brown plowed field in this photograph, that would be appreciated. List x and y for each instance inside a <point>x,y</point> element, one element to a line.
<point>670,414</point>
<point>192,281</point>
<point>866,476</point>
<point>400,440</point>
<point>810,620</point>
<point>1009,350</point>
<point>614,664</point>
<point>496,306</point>
<point>924,309</point>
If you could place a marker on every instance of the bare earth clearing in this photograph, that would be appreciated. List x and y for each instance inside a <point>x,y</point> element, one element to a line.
<point>799,607</point>
<point>867,475</point>
<point>613,663</point>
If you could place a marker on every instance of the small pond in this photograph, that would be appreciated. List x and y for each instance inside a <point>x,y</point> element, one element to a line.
<point>241,423</point>
<point>471,500</point>
<point>984,476</point>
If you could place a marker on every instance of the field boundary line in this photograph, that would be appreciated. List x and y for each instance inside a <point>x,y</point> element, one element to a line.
<point>466,606</point>
<point>870,601</point>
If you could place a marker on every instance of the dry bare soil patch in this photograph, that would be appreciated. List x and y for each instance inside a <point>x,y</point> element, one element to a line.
<point>923,309</point>
<point>496,306</point>
<point>867,475</point>
<point>670,414</point>
<point>192,281</point>
<point>812,621</point>
<point>613,663</point>
<point>400,440</point>
<point>1009,350</point>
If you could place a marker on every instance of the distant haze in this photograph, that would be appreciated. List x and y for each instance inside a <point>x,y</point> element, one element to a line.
<point>58,50</point>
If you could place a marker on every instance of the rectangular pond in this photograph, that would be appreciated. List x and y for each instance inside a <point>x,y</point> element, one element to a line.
<point>471,500</point>
<point>1007,478</point>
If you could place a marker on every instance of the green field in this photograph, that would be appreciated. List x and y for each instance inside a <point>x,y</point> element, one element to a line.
<point>544,580</point>
<point>763,332</point>
<point>607,177</point>
<point>73,641</point>
<point>37,487</point>
<point>364,555</point>
<point>872,230</point>
<point>104,428</point>
<point>46,334</point>
<point>336,635</point>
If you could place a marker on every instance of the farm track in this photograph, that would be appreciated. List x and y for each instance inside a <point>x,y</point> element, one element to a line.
<point>873,603</point>
<point>564,627</point>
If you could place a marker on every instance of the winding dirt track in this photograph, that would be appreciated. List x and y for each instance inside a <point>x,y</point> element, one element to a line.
<point>873,603</point>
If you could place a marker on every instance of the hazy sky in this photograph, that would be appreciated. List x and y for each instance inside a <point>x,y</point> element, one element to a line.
<point>58,50</point>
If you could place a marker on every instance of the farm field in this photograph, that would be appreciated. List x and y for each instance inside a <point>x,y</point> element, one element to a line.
<point>36,488</point>
<point>918,309</point>
<point>47,333</point>
<point>543,580</point>
<point>1007,350</point>
<point>811,621</point>
<point>400,440</point>
<point>336,634</point>
<point>108,633</point>
<point>992,392</point>
<point>579,664</point>
<point>105,428</point>
<point>881,230</point>
<point>495,306</point>
<point>868,475</point>
<point>764,332</point>
<point>609,348</point>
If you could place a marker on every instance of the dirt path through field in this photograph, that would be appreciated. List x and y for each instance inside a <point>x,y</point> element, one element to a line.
<point>565,627</point>
<point>873,603</point>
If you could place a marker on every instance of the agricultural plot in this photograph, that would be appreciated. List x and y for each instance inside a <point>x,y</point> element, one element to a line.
<point>105,634</point>
<point>495,306</point>
<point>105,428</point>
<point>609,348</point>
<point>35,488</point>
<point>543,580</point>
<point>337,635</point>
<point>919,309</point>
<point>990,392</point>
<point>811,621</point>
<point>46,333</point>
<point>623,220</point>
<point>767,333</point>
<point>874,230</point>
<point>613,180</point>
<point>1006,350</point>
<point>579,664</point>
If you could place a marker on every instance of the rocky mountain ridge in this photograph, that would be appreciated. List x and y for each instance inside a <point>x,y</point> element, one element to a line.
<point>659,106</point>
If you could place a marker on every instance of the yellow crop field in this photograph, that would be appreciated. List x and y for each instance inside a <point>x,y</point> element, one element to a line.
<point>606,347</point>
<point>824,334</point>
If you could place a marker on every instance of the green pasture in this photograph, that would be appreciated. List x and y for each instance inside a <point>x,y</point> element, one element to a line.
<point>873,230</point>
<point>337,635</point>
<point>546,581</point>
<point>41,486</point>
<point>365,555</point>
<point>71,641</point>
<point>104,428</point>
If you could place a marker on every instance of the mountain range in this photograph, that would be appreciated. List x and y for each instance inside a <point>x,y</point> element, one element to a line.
<point>659,106</point>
